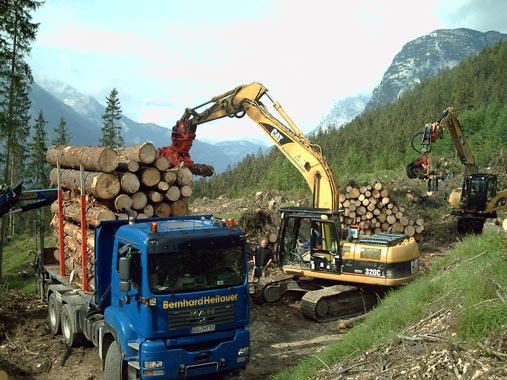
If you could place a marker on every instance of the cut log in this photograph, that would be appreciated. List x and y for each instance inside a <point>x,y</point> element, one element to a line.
<point>122,216</point>
<point>382,217</point>
<point>170,177</point>
<point>141,216</point>
<point>361,197</point>
<point>129,182</point>
<point>162,209</point>
<point>385,226</point>
<point>391,219</point>
<point>410,231</point>
<point>361,210</point>
<point>385,200</point>
<point>162,163</point>
<point>371,207</point>
<point>404,221</point>
<point>143,153</point>
<point>376,212</point>
<point>419,221</point>
<point>186,191</point>
<point>352,207</point>
<point>375,193</point>
<point>363,189</point>
<point>398,228</point>
<point>128,166</point>
<point>163,186</point>
<point>419,229</point>
<point>74,230</point>
<point>353,193</point>
<point>139,200</point>
<point>93,158</point>
<point>367,194</point>
<point>149,176</point>
<point>348,189</point>
<point>341,198</point>
<point>173,194</point>
<point>122,202</point>
<point>365,202</point>
<point>148,210</point>
<point>384,193</point>
<point>346,203</point>
<point>399,215</point>
<point>184,176</point>
<point>154,196</point>
<point>94,214</point>
<point>377,186</point>
<point>180,208</point>
<point>100,185</point>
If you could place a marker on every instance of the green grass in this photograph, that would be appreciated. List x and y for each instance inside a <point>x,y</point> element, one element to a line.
<point>18,254</point>
<point>469,280</point>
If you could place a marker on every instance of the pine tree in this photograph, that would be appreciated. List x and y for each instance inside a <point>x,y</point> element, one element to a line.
<point>38,168</point>
<point>111,129</point>
<point>62,134</point>
<point>17,32</point>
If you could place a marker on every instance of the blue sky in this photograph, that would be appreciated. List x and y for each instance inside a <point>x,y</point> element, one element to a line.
<point>163,56</point>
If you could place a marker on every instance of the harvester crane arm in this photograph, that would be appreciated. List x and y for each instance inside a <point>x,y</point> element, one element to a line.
<point>288,138</point>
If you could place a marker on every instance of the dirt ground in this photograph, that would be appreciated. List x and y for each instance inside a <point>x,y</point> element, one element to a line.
<point>280,338</point>
<point>280,335</point>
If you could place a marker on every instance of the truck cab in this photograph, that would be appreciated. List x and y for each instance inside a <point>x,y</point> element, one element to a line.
<point>171,298</point>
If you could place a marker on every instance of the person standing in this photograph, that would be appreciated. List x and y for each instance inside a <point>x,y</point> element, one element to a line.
<point>263,256</point>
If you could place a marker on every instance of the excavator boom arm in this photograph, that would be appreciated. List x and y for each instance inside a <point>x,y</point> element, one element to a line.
<point>287,137</point>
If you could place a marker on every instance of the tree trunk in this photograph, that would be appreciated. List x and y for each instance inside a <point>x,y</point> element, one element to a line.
<point>184,176</point>
<point>173,194</point>
<point>139,200</point>
<point>143,153</point>
<point>128,166</point>
<point>154,196</point>
<point>162,163</point>
<point>93,158</point>
<point>186,191</point>
<point>94,214</point>
<point>100,185</point>
<point>162,209</point>
<point>129,182</point>
<point>170,177</point>
<point>150,176</point>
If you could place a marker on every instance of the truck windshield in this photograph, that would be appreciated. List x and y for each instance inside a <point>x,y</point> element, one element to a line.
<point>196,268</point>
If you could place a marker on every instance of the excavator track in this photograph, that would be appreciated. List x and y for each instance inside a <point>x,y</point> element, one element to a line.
<point>337,302</point>
<point>270,289</point>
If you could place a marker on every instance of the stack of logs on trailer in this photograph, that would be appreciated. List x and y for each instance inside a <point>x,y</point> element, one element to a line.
<point>131,177</point>
<point>371,209</point>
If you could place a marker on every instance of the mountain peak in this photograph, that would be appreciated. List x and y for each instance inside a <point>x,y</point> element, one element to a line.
<point>425,56</point>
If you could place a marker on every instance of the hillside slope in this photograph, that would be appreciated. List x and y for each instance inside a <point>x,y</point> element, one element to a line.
<point>379,140</point>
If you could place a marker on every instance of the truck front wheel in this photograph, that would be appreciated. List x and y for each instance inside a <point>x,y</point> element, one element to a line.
<point>54,314</point>
<point>70,335</point>
<point>114,366</point>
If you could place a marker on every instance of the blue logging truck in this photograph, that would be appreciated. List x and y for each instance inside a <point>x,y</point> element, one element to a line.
<point>171,295</point>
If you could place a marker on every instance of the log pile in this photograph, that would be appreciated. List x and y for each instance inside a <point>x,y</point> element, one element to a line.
<point>131,177</point>
<point>371,209</point>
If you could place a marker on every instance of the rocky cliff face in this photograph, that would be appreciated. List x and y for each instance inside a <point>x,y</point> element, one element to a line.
<point>426,56</point>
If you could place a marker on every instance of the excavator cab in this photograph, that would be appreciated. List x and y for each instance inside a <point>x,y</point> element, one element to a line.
<point>309,237</point>
<point>478,189</point>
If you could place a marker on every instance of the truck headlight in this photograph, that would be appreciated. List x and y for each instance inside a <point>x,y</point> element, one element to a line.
<point>157,364</point>
<point>244,351</point>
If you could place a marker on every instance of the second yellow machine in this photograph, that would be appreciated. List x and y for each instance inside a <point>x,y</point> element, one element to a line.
<point>338,277</point>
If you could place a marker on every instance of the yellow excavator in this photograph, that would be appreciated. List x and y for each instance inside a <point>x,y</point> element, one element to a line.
<point>478,198</point>
<point>338,277</point>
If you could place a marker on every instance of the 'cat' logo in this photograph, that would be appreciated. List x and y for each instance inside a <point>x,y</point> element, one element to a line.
<point>276,135</point>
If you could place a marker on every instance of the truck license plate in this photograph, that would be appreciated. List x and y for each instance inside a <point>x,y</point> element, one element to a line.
<point>202,329</point>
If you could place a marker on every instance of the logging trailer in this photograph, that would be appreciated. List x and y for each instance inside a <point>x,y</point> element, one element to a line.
<point>170,295</point>
<point>337,277</point>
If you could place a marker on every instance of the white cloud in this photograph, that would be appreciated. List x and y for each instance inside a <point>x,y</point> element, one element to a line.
<point>308,53</point>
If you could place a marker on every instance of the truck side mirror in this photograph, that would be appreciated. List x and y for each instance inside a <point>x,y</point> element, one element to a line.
<point>124,271</point>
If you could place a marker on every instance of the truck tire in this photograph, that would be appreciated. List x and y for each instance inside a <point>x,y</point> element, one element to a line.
<point>114,365</point>
<point>54,314</point>
<point>71,337</point>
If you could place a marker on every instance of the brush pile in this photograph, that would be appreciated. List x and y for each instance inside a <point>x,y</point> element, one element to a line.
<point>115,180</point>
